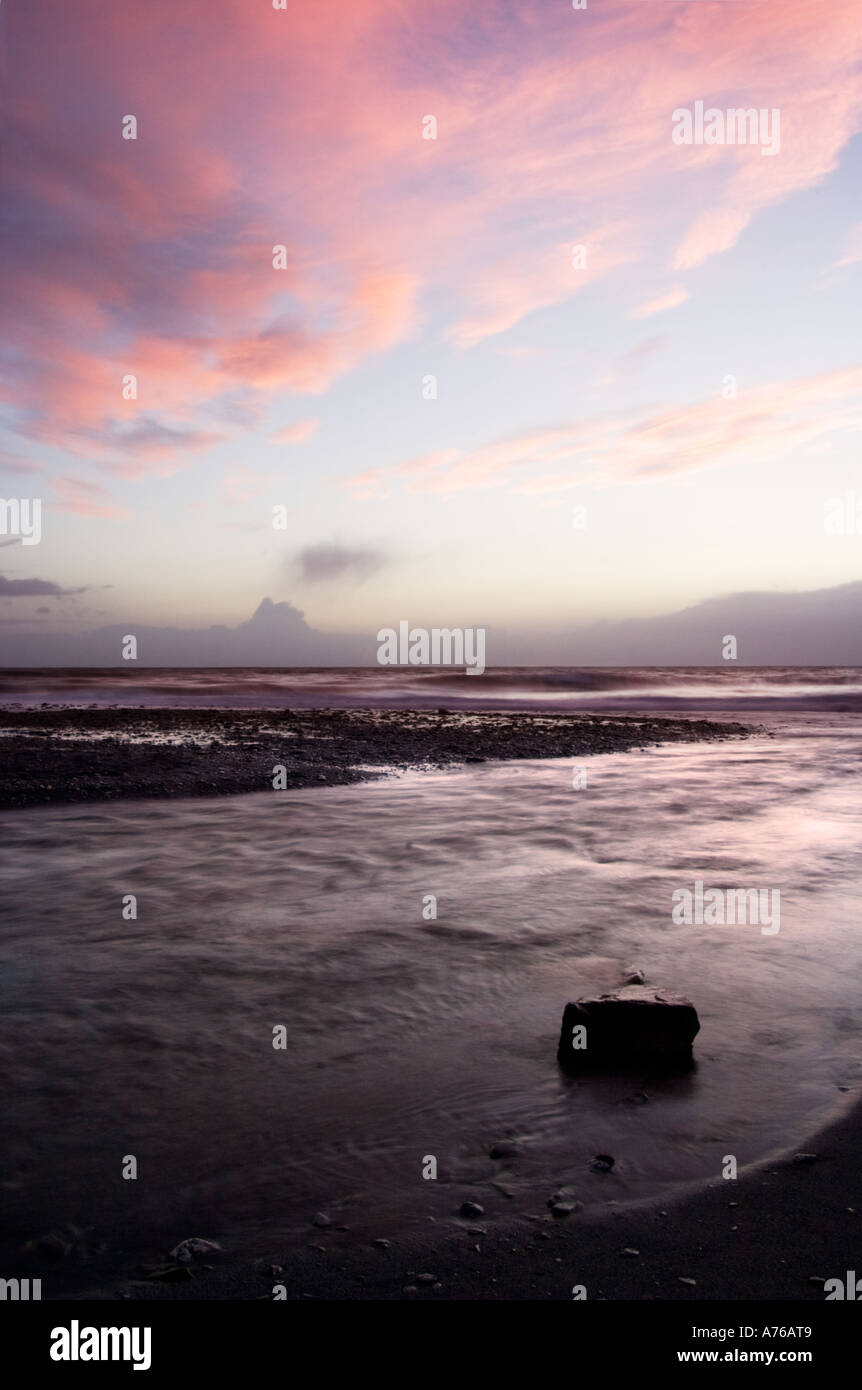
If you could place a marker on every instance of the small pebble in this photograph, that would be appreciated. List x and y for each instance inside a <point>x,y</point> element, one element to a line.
<point>471,1210</point>
<point>321,1219</point>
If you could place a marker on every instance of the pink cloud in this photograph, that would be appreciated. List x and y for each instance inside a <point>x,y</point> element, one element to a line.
<point>762,425</point>
<point>711,233</point>
<point>259,128</point>
<point>670,300</point>
<point>84,498</point>
<point>508,292</point>
<point>852,246</point>
<point>297,433</point>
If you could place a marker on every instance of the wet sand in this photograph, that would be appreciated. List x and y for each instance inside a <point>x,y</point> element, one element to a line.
<point>776,1233</point>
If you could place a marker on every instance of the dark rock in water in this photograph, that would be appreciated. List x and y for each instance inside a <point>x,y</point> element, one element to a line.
<point>321,1220</point>
<point>471,1210</point>
<point>635,978</point>
<point>602,1163</point>
<point>633,1024</point>
<point>504,1149</point>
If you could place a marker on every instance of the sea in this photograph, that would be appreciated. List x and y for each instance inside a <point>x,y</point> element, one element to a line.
<point>414,1034</point>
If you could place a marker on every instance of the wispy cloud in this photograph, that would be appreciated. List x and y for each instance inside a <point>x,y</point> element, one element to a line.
<point>84,498</point>
<point>852,246</point>
<point>670,300</point>
<point>297,433</point>
<point>763,424</point>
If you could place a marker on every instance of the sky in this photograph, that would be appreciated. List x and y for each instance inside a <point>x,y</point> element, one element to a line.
<point>399,311</point>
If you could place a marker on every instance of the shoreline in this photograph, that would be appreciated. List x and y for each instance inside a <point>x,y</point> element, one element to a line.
<point>64,755</point>
<point>776,1233</point>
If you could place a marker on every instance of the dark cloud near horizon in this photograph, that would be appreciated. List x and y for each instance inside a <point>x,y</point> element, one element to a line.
<point>32,588</point>
<point>42,588</point>
<point>318,564</point>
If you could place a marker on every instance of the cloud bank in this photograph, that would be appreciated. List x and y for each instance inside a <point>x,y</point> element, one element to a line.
<point>818,627</point>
